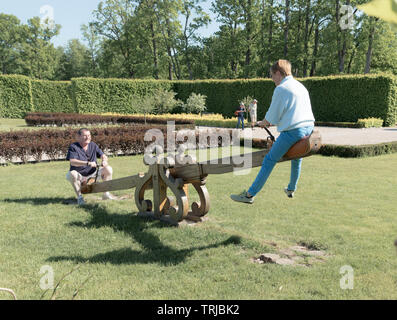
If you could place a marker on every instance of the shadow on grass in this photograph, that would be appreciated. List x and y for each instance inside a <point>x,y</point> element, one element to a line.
<point>153,250</point>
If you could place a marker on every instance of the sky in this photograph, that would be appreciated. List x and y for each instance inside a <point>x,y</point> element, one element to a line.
<point>70,14</point>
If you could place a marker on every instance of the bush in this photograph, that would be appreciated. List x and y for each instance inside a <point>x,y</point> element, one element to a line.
<point>359,151</point>
<point>15,96</point>
<point>370,122</point>
<point>195,104</point>
<point>224,96</point>
<point>54,142</point>
<point>163,101</point>
<point>67,119</point>
<point>337,124</point>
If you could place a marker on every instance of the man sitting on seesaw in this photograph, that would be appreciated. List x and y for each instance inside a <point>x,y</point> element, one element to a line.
<point>83,164</point>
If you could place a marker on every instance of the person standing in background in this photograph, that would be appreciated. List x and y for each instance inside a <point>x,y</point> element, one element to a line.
<point>240,115</point>
<point>253,112</point>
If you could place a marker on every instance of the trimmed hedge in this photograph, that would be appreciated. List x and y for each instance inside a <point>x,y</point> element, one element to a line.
<point>334,98</point>
<point>23,145</point>
<point>370,150</point>
<point>15,96</point>
<point>349,98</point>
<point>52,96</point>
<point>113,95</point>
<point>54,143</point>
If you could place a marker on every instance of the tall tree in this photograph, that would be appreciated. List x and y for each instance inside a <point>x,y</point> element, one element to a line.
<point>10,39</point>
<point>39,54</point>
<point>114,20</point>
<point>93,40</point>
<point>194,18</point>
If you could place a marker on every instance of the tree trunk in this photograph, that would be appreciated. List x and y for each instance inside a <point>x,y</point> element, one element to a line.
<point>306,39</point>
<point>286,28</point>
<point>155,58</point>
<point>338,36</point>
<point>248,30</point>
<point>315,50</point>
<point>370,45</point>
<point>270,41</point>
<point>343,33</point>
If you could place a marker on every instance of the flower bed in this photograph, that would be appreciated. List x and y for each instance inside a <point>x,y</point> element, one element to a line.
<point>52,144</point>
<point>70,119</point>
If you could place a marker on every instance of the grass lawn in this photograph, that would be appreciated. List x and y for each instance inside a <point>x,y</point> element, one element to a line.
<point>13,124</point>
<point>346,207</point>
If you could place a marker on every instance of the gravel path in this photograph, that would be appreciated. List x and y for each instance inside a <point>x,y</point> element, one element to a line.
<point>342,136</point>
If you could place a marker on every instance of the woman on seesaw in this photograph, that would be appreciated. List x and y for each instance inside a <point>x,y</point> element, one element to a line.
<point>291,112</point>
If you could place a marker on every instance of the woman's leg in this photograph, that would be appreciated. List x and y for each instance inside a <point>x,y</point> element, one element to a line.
<point>279,148</point>
<point>283,143</point>
<point>296,166</point>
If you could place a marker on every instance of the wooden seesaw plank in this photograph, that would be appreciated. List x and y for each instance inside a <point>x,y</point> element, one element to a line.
<point>116,184</point>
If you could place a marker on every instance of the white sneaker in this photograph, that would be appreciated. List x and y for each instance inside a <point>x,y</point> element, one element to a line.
<point>80,201</point>
<point>108,196</point>
<point>289,193</point>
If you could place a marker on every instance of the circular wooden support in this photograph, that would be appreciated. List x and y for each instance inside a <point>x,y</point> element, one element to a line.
<point>201,208</point>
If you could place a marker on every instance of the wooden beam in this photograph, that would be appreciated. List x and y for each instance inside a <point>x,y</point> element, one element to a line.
<point>116,184</point>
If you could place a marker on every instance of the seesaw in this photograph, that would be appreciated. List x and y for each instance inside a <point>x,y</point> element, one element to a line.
<point>177,174</point>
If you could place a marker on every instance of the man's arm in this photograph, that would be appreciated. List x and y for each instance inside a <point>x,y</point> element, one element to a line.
<point>104,159</point>
<point>82,163</point>
<point>264,123</point>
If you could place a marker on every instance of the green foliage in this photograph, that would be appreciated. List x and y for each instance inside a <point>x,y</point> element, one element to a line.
<point>223,96</point>
<point>163,101</point>
<point>337,124</point>
<point>38,53</point>
<point>370,123</point>
<point>247,101</point>
<point>15,96</point>
<point>358,151</point>
<point>227,123</point>
<point>349,98</point>
<point>52,96</point>
<point>113,95</point>
<point>195,104</point>
<point>334,98</point>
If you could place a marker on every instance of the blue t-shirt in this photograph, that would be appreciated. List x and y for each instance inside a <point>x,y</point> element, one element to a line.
<point>241,114</point>
<point>77,152</point>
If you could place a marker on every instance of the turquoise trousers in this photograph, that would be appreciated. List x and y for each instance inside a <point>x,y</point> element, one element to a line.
<point>280,147</point>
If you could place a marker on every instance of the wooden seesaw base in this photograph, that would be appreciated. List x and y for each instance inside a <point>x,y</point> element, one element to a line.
<point>165,173</point>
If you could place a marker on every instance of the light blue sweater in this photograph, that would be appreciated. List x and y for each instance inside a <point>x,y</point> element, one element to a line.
<point>290,108</point>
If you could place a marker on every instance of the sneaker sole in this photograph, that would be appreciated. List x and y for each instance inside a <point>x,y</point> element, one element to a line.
<point>288,194</point>
<point>242,200</point>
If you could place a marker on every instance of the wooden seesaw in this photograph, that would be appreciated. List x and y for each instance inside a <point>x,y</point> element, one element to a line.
<point>166,173</point>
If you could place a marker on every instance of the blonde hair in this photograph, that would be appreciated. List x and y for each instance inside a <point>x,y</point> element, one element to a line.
<point>283,66</point>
